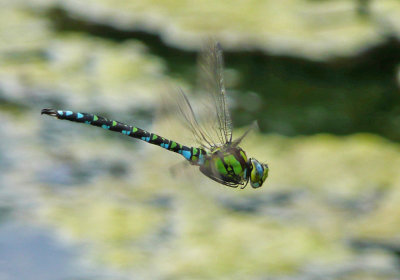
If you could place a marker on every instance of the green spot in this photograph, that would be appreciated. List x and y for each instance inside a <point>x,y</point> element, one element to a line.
<point>134,129</point>
<point>220,166</point>
<point>173,145</point>
<point>194,158</point>
<point>114,123</point>
<point>265,175</point>
<point>95,118</point>
<point>154,137</point>
<point>232,161</point>
<point>243,155</point>
<point>195,151</point>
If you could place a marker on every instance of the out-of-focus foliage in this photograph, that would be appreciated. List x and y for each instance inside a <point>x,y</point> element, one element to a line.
<point>355,42</point>
<point>81,71</point>
<point>330,207</point>
<point>186,226</point>
<point>314,29</point>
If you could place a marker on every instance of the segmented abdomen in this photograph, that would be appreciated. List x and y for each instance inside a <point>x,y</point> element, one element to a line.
<point>194,155</point>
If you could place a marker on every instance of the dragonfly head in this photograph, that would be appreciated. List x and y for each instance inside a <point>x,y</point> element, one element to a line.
<point>258,173</point>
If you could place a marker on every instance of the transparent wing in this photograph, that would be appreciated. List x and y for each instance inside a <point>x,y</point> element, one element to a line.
<point>199,131</point>
<point>212,126</point>
<point>254,126</point>
<point>211,80</point>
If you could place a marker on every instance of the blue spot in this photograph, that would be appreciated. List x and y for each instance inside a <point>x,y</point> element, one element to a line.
<point>259,168</point>
<point>186,154</point>
<point>148,139</point>
<point>201,159</point>
<point>68,113</point>
<point>180,151</point>
<point>87,122</point>
<point>79,115</point>
<point>144,138</point>
<point>164,145</point>
<point>60,112</point>
<point>126,132</point>
<point>105,126</point>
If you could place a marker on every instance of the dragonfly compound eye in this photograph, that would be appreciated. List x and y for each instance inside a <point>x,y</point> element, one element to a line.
<point>258,174</point>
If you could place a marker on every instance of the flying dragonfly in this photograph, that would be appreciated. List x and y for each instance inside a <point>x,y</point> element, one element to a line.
<point>217,155</point>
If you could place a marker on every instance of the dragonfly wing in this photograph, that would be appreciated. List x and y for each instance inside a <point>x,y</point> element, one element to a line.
<point>213,126</point>
<point>254,126</point>
<point>211,80</point>
<point>200,133</point>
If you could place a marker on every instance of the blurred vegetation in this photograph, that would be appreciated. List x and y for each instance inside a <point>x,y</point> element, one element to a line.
<point>186,227</point>
<point>344,83</point>
<point>324,73</point>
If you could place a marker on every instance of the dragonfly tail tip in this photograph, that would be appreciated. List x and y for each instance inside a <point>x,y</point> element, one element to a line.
<point>50,112</point>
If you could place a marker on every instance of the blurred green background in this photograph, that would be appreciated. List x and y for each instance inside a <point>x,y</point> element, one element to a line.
<point>320,76</point>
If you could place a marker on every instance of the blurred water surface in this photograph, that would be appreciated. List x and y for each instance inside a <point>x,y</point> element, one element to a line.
<point>321,77</point>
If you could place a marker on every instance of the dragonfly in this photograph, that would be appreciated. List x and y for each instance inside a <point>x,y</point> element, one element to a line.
<point>217,155</point>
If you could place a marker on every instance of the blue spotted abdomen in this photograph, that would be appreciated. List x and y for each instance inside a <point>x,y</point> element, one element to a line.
<point>194,155</point>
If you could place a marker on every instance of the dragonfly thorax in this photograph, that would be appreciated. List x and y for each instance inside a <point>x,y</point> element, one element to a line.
<point>227,165</point>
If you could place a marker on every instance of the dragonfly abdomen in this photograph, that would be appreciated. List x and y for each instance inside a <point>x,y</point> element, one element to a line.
<point>194,155</point>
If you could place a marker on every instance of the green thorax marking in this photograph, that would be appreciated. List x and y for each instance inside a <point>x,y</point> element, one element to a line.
<point>229,161</point>
<point>232,162</point>
<point>219,165</point>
